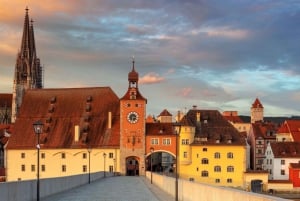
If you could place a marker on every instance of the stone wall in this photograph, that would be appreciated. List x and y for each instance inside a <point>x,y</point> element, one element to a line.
<point>190,191</point>
<point>26,190</point>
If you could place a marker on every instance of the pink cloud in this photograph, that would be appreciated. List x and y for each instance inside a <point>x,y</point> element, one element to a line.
<point>151,78</point>
<point>186,91</point>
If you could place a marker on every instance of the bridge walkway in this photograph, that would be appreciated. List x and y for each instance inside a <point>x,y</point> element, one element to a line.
<point>119,188</point>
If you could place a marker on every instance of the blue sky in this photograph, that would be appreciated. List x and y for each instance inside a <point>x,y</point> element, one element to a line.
<point>213,54</point>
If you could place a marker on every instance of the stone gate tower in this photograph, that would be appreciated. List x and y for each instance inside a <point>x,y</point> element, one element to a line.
<point>132,128</point>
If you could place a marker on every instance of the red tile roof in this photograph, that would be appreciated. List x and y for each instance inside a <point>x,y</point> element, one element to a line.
<point>295,165</point>
<point>60,110</point>
<point>292,127</point>
<point>257,104</point>
<point>264,130</point>
<point>5,133</point>
<point>286,149</point>
<point>5,100</point>
<point>165,113</point>
<point>234,119</point>
<point>160,129</point>
<point>214,128</point>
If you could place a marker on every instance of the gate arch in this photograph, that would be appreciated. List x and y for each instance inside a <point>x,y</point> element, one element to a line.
<point>132,166</point>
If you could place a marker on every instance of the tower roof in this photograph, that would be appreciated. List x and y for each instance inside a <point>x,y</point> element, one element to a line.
<point>257,104</point>
<point>133,76</point>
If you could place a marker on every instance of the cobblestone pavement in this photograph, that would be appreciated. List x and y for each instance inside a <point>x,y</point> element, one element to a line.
<point>120,188</point>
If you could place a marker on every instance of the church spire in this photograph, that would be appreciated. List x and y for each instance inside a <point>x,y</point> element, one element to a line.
<point>28,71</point>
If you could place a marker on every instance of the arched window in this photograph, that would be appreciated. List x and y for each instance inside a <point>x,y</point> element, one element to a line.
<point>229,155</point>
<point>204,173</point>
<point>217,155</point>
<point>204,161</point>
<point>230,168</point>
<point>217,168</point>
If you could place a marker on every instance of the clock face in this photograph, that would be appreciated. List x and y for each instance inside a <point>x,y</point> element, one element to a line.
<point>132,117</point>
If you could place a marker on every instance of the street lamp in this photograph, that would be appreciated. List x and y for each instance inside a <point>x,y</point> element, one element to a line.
<point>177,127</point>
<point>114,167</point>
<point>38,129</point>
<point>104,156</point>
<point>89,151</point>
<point>151,150</point>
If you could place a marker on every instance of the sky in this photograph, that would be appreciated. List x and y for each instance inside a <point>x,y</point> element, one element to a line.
<point>214,54</point>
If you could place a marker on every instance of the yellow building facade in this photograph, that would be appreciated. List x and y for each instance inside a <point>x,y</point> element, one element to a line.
<point>60,162</point>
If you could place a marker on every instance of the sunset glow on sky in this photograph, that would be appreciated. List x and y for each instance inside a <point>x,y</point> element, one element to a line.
<point>213,54</point>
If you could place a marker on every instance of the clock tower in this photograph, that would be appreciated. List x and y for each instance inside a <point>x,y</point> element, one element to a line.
<point>132,128</point>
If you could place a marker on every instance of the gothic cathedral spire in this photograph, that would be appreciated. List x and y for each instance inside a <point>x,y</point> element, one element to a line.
<point>28,70</point>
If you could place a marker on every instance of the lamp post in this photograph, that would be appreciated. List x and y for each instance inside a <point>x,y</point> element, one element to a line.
<point>89,152</point>
<point>177,127</point>
<point>38,129</point>
<point>104,156</point>
<point>151,161</point>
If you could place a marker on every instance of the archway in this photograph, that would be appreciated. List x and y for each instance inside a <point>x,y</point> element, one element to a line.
<point>132,166</point>
<point>162,161</point>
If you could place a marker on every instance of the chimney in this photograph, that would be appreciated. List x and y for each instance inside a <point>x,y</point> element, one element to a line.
<point>77,131</point>
<point>109,120</point>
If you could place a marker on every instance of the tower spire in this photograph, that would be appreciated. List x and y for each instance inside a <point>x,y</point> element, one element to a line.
<point>28,71</point>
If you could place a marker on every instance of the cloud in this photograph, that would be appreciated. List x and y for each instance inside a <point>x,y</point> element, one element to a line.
<point>151,78</point>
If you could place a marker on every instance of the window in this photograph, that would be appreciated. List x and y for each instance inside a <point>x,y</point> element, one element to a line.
<point>217,181</point>
<point>63,168</point>
<point>270,161</point>
<point>185,141</point>
<point>204,173</point>
<point>204,149</point>
<point>282,162</point>
<point>229,155</point>
<point>111,155</point>
<point>185,155</point>
<point>84,168</point>
<point>84,155</point>
<point>166,141</point>
<point>217,168</point>
<point>43,155</point>
<point>22,155</point>
<point>282,172</point>
<point>23,168</point>
<point>63,155</point>
<point>32,168</point>
<point>217,155</point>
<point>154,141</point>
<point>229,180</point>
<point>43,168</point>
<point>111,168</point>
<point>204,161</point>
<point>230,168</point>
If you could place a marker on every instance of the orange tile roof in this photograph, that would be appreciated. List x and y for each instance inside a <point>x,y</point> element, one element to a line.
<point>286,149</point>
<point>60,110</point>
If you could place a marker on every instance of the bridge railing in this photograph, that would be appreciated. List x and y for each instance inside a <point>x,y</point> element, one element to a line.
<point>190,190</point>
<point>26,190</point>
